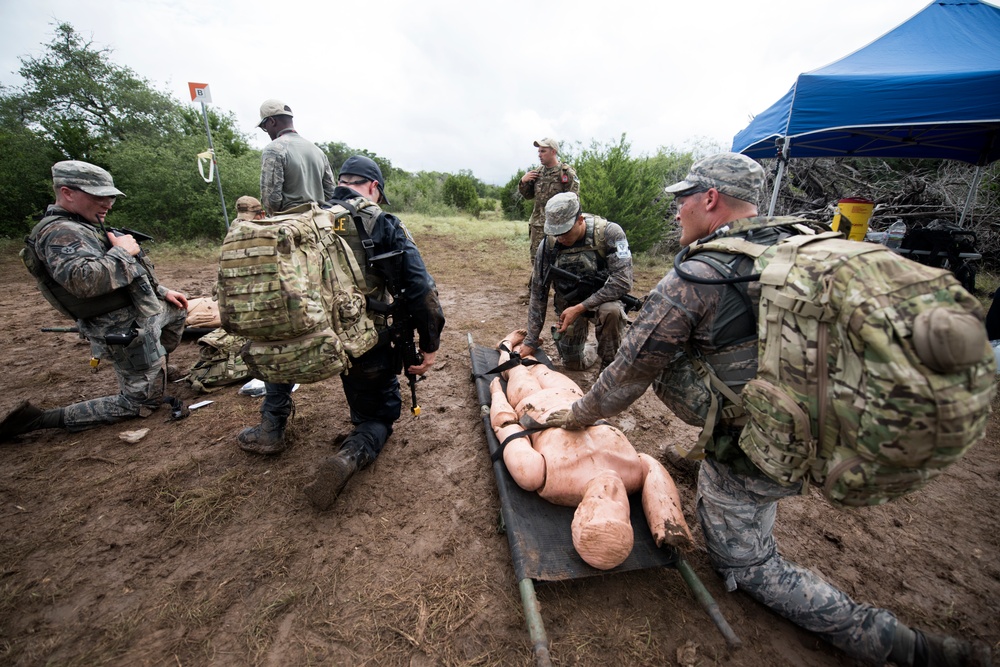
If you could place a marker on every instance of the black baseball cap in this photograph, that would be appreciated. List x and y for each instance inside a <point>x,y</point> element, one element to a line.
<point>366,168</point>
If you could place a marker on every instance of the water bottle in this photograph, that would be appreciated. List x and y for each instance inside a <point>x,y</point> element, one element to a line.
<point>896,232</point>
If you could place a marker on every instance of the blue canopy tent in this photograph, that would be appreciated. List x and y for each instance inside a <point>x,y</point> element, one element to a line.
<point>930,88</point>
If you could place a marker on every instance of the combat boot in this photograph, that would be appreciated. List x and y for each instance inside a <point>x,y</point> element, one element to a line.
<point>26,417</point>
<point>333,474</point>
<point>268,437</point>
<point>933,650</point>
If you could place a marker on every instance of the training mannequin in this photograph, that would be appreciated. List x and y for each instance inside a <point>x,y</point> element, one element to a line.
<point>593,469</point>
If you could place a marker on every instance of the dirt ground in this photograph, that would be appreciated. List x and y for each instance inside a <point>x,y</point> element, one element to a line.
<point>182,550</point>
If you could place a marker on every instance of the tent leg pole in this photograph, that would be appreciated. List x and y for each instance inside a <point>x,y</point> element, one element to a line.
<point>536,629</point>
<point>706,601</point>
<point>971,197</point>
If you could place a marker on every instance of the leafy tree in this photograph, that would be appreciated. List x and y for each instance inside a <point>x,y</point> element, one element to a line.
<point>226,134</point>
<point>460,191</point>
<point>422,192</point>
<point>337,152</point>
<point>512,203</point>
<point>624,189</point>
<point>83,103</point>
<point>25,176</point>
<point>166,195</point>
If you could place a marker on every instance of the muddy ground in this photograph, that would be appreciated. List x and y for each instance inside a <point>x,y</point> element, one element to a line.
<point>183,550</point>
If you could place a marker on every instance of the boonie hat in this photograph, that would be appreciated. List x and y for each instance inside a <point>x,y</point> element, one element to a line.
<point>273,107</point>
<point>547,143</point>
<point>561,212</point>
<point>248,207</point>
<point>84,176</point>
<point>731,174</point>
<point>366,168</point>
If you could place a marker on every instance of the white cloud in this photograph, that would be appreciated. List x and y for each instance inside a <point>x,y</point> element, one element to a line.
<point>444,85</point>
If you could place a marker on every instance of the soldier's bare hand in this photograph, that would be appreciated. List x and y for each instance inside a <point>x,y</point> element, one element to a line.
<point>425,366</point>
<point>127,242</point>
<point>176,298</point>
<point>529,176</point>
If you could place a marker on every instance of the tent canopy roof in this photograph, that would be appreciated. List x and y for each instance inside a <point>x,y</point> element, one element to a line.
<point>930,88</point>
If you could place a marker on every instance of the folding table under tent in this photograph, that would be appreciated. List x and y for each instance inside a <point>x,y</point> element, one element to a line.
<point>538,531</point>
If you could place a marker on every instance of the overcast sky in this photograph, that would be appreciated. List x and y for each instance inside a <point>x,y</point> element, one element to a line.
<point>442,86</point>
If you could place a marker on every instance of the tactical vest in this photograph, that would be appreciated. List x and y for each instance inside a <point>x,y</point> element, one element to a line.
<point>372,284</point>
<point>585,260</point>
<point>703,389</point>
<point>59,297</point>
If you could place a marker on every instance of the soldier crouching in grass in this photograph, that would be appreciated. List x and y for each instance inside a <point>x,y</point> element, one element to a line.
<point>107,284</point>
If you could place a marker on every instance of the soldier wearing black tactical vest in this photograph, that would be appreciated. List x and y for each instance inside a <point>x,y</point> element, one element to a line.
<point>593,272</point>
<point>107,284</point>
<point>371,385</point>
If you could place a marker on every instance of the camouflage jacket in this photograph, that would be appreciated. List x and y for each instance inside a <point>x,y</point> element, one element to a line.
<point>612,263</point>
<point>681,319</point>
<point>551,181</point>
<point>294,171</point>
<point>78,256</point>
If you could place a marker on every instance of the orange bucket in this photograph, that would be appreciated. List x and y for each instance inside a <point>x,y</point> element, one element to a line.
<point>852,217</point>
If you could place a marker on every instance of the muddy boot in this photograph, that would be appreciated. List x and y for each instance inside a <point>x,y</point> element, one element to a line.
<point>26,417</point>
<point>933,650</point>
<point>268,437</point>
<point>333,474</point>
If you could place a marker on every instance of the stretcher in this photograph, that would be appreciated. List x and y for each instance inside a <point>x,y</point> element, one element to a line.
<point>538,531</point>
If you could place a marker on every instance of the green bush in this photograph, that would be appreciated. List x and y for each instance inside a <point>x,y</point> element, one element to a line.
<point>628,190</point>
<point>460,191</point>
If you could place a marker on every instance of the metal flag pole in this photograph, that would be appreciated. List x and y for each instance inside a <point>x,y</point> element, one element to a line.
<point>200,92</point>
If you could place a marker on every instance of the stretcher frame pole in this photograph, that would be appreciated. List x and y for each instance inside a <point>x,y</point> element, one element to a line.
<point>708,603</point>
<point>536,628</point>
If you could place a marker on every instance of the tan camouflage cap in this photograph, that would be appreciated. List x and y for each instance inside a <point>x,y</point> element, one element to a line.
<point>561,212</point>
<point>547,143</point>
<point>248,207</point>
<point>273,107</point>
<point>731,174</point>
<point>84,176</point>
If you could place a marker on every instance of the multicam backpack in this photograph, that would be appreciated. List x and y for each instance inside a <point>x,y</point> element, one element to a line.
<point>874,372</point>
<point>219,361</point>
<point>291,285</point>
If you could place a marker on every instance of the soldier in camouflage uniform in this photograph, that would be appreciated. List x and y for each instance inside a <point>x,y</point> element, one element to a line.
<point>293,170</point>
<point>596,251</point>
<point>736,502</point>
<point>541,184</point>
<point>107,284</point>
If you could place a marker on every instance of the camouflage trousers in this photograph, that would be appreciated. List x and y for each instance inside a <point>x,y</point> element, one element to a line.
<point>139,367</point>
<point>737,514</point>
<point>609,329</point>
<point>536,234</point>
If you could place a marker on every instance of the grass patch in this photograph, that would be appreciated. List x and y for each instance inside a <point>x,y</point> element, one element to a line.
<point>466,228</point>
<point>193,509</point>
<point>261,627</point>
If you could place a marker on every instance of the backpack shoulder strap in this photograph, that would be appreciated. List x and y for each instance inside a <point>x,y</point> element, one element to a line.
<point>600,235</point>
